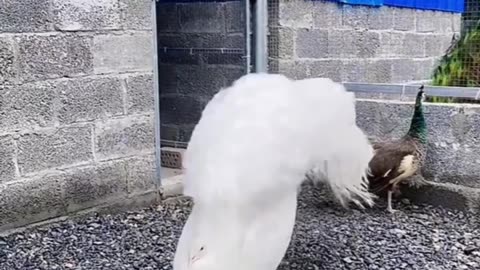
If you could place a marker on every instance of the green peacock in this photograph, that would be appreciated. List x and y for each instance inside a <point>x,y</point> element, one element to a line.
<point>400,160</point>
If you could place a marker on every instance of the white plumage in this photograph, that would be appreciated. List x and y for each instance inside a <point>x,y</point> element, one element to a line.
<point>246,159</point>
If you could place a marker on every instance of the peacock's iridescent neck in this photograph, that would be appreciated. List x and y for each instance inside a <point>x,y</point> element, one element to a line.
<point>418,126</point>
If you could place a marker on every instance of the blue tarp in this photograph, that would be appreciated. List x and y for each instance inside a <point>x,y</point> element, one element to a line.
<point>362,2</point>
<point>440,5</point>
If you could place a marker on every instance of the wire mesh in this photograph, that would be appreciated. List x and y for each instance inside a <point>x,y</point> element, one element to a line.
<point>374,44</point>
<point>201,49</point>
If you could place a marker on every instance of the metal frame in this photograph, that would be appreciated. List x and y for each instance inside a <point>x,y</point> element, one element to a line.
<point>261,33</point>
<point>248,49</point>
<point>156,94</point>
<point>412,89</point>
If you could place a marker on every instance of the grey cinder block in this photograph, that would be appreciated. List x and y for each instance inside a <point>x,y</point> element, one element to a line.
<point>326,68</point>
<point>296,14</point>
<point>8,71</point>
<point>310,43</point>
<point>235,17</point>
<point>74,15</point>
<point>26,106</point>
<point>355,16</point>
<point>54,56</point>
<point>31,200</point>
<point>404,19</point>
<point>89,99</point>
<point>54,148</point>
<point>136,14</point>
<point>127,52</point>
<point>327,14</point>
<point>90,186</point>
<point>199,80</point>
<point>140,174</point>
<point>124,137</point>
<point>381,18</point>
<point>15,12</point>
<point>140,93</point>
<point>7,157</point>
<point>201,17</point>
<point>178,110</point>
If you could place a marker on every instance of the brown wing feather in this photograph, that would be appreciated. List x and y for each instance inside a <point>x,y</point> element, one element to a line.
<point>385,164</point>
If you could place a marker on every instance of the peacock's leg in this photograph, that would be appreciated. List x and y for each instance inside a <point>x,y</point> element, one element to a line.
<point>389,202</point>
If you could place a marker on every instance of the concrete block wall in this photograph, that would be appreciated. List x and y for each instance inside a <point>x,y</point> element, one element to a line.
<point>357,43</point>
<point>76,106</point>
<point>201,49</point>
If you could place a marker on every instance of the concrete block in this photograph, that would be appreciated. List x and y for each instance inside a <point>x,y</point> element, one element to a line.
<point>124,137</point>
<point>382,120</point>
<point>7,157</point>
<point>136,14</point>
<point>206,17</point>
<point>167,81</point>
<point>140,93</point>
<point>391,44</point>
<point>54,148</point>
<point>326,68</point>
<point>15,13</point>
<point>232,74</point>
<point>204,40</point>
<point>89,99</point>
<point>185,132</point>
<point>355,17</point>
<point>167,18</point>
<point>141,174</point>
<point>32,200</point>
<point>199,80</point>
<point>127,52</point>
<point>403,70</point>
<point>169,132</point>
<point>26,105</point>
<point>444,195</point>
<point>285,41</point>
<point>312,43</point>
<point>90,186</point>
<point>351,44</point>
<point>235,17</point>
<point>434,45</point>
<point>54,56</point>
<point>178,110</point>
<point>293,69</point>
<point>425,21</point>
<point>444,23</point>
<point>453,145</point>
<point>414,45</point>
<point>178,57</point>
<point>378,71</point>
<point>296,14</point>
<point>327,15</point>
<point>353,70</point>
<point>74,15</point>
<point>8,70</point>
<point>380,18</point>
<point>456,22</point>
<point>227,59</point>
<point>423,69</point>
<point>404,19</point>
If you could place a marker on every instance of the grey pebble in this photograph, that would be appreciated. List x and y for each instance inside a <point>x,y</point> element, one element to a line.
<point>326,237</point>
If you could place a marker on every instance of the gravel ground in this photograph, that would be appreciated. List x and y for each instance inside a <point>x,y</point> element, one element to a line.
<point>326,237</point>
